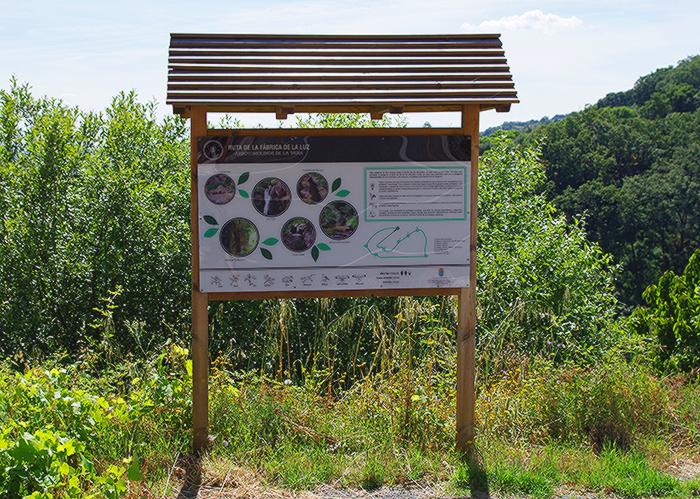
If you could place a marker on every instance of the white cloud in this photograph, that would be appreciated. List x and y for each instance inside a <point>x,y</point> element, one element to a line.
<point>531,20</point>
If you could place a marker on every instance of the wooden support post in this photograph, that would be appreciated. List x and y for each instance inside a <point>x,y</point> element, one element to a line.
<point>466,328</point>
<point>200,304</point>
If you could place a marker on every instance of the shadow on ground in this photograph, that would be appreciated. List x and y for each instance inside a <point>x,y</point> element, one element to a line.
<point>192,480</point>
<point>472,477</point>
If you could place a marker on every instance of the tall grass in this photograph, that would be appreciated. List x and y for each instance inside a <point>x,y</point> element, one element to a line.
<point>540,424</point>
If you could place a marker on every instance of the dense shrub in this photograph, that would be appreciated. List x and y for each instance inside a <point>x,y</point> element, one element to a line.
<point>90,204</point>
<point>672,319</point>
<point>542,286</point>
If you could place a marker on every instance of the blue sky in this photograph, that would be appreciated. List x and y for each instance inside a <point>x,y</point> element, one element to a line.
<point>563,55</point>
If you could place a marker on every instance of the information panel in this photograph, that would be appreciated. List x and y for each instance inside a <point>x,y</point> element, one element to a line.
<point>314,213</point>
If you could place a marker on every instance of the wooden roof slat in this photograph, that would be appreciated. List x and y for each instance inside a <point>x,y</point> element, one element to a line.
<point>331,71</point>
<point>354,77</point>
<point>335,68</point>
<point>335,60</point>
<point>338,52</point>
<point>336,93</point>
<point>372,102</point>
<point>293,86</point>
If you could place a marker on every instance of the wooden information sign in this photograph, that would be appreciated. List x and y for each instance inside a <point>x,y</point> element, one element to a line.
<point>304,213</point>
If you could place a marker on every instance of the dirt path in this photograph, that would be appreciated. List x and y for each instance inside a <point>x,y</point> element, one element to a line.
<point>238,483</point>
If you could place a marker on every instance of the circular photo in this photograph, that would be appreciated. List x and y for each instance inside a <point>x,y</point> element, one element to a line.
<point>213,150</point>
<point>271,197</point>
<point>312,188</point>
<point>298,234</point>
<point>239,237</point>
<point>338,220</point>
<point>220,188</point>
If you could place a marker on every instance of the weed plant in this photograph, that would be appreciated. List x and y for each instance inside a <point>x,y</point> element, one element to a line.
<point>68,431</point>
<point>120,428</point>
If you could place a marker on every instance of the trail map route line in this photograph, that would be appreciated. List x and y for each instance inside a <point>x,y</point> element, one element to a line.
<point>383,252</point>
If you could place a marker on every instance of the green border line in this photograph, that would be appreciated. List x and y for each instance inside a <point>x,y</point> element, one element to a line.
<point>466,184</point>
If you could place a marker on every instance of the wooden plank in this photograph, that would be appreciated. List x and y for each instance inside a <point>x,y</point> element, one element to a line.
<point>241,67</point>
<point>335,60</point>
<point>333,294</point>
<point>324,106</point>
<point>200,303</point>
<point>345,85</point>
<point>326,52</point>
<point>328,132</point>
<point>337,93</point>
<point>466,329</point>
<point>422,107</point>
<point>486,77</point>
<point>311,41</point>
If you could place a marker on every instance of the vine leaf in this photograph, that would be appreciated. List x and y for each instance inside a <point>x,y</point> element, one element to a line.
<point>314,253</point>
<point>336,184</point>
<point>243,178</point>
<point>342,193</point>
<point>211,232</point>
<point>134,474</point>
<point>323,247</point>
<point>266,253</point>
<point>270,241</point>
<point>210,220</point>
<point>243,193</point>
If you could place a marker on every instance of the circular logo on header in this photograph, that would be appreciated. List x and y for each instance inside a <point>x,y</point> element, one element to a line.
<point>213,150</point>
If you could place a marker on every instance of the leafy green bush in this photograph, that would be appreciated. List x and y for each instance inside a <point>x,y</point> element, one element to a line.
<point>66,433</point>
<point>672,318</point>
<point>90,203</point>
<point>542,286</point>
<point>47,464</point>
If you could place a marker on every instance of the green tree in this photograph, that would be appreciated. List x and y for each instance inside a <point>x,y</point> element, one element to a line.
<point>91,203</point>
<point>541,284</point>
<point>634,179</point>
<point>672,318</point>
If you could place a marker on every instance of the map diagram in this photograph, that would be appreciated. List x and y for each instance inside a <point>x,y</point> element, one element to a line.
<point>389,243</point>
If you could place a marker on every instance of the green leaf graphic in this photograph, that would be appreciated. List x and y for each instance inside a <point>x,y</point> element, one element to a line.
<point>210,220</point>
<point>211,232</point>
<point>323,247</point>
<point>270,241</point>
<point>266,253</point>
<point>243,193</point>
<point>243,178</point>
<point>336,184</point>
<point>314,253</point>
<point>342,193</point>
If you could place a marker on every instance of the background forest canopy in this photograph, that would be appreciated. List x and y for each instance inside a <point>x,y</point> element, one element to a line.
<point>95,249</point>
<point>631,166</point>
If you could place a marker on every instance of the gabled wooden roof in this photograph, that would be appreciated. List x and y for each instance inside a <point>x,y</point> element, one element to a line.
<point>285,74</point>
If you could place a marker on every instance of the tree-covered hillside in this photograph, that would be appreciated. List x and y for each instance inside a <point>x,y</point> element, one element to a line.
<point>631,166</point>
<point>521,126</point>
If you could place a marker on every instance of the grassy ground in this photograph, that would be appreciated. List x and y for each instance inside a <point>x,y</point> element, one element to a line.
<point>122,429</point>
